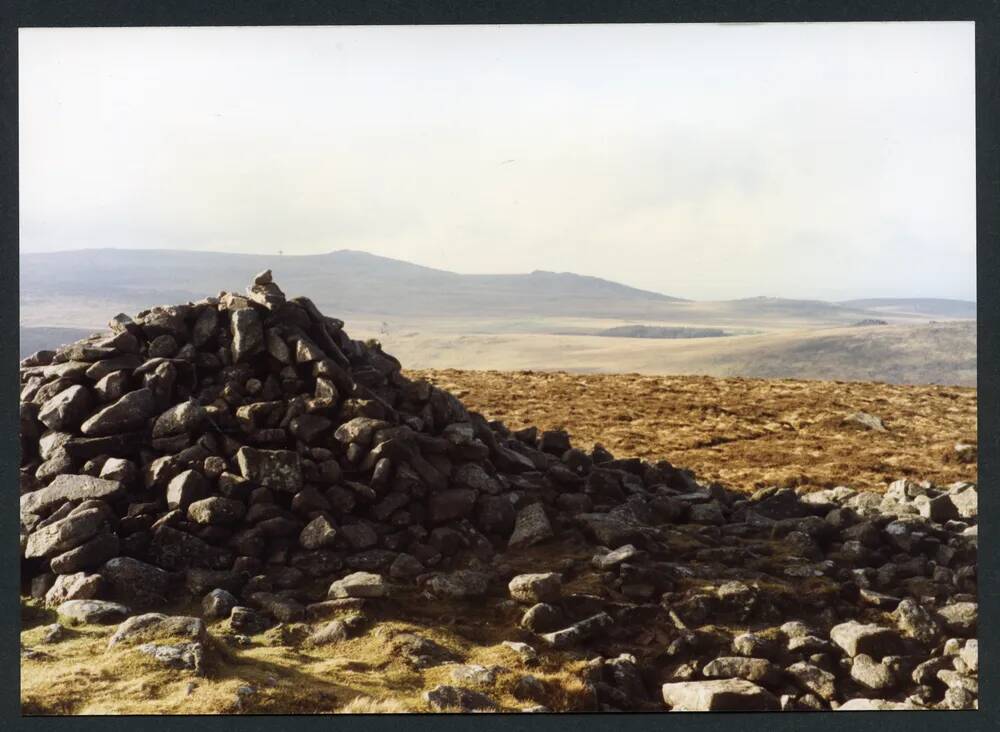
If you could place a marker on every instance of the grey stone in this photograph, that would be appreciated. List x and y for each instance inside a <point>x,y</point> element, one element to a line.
<point>538,587</point>
<point>813,679</point>
<point>757,670</point>
<point>184,417</point>
<point>872,675</point>
<point>406,566</point>
<point>278,470</point>
<point>615,557</point>
<point>77,586</point>
<point>359,431</point>
<point>67,409</point>
<point>318,533</point>
<point>359,535</point>
<point>579,632</point>
<point>91,611</point>
<point>188,656</point>
<point>142,584</point>
<point>970,654</point>
<point>720,695</point>
<point>960,618</point>
<point>866,421</point>
<point>157,626</point>
<point>359,584</point>
<point>965,498</point>
<point>531,527</point>
<point>459,585</point>
<point>248,333</point>
<point>247,620</point>
<point>753,645</point>
<point>874,705</point>
<point>874,640</point>
<point>332,632</point>
<point>915,622</point>
<point>216,510</point>
<point>185,488</point>
<point>472,476</point>
<point>542,618</point>
<point>444,697</point>
<point>218,604</point>
<point>65,534</point>
<point>128,413</point>
<point>92,553</point>
<point>474,674</point>
<point>70,488</point>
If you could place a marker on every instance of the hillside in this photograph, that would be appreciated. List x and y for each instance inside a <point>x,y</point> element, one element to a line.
<point>366,284</point>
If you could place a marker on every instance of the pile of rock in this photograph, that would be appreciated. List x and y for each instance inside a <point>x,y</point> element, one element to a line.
<point>245,453</point>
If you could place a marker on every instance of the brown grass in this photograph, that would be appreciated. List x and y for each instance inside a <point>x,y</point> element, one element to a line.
<point>744,433</point>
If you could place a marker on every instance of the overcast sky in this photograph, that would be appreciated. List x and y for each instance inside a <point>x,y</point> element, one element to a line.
<point>703,161</point>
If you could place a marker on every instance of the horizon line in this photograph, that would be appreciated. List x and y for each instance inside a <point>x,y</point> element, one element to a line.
<point>281,254</point>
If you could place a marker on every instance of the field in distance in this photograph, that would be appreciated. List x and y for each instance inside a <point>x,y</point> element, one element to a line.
<point>432,318</point>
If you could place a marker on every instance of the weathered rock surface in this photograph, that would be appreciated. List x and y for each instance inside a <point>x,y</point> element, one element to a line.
<point>723,695</point>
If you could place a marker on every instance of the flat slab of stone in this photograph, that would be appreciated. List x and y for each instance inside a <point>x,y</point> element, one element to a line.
<point>718,695</point>
<point>70,488</point>
<point>874,640</point>
<point>65,534</point>
<point>358,584</point>
<point>579,631</point>
<point>156,626</point>
<point>92,611</point>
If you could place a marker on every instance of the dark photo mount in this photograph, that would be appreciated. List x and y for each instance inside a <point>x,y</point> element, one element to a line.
<point>168,455</point>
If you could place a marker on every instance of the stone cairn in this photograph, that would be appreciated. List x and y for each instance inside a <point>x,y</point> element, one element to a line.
<point>244,453</point>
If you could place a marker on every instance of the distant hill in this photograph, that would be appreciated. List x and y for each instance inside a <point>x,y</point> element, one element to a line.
<point>342,283</point>
<point>536,320</point>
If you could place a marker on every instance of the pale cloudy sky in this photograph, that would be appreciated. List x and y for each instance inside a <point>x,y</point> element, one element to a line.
<point>704,161</point>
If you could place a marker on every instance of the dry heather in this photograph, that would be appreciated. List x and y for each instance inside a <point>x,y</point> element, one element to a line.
<point>744,433</point>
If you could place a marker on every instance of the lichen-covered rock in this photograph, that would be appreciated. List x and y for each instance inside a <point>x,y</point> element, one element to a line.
<point>538,587</point>
<point>874,640</point>
<point>140,584</point>
<point>531,527</point>
<point>278,470</point>
<point>454,698</point>
<point>157,626</point>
